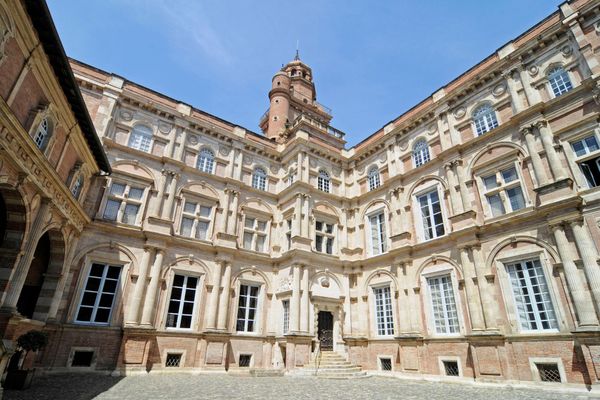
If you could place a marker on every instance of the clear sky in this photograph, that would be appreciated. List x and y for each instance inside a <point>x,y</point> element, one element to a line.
<point>371,60</point>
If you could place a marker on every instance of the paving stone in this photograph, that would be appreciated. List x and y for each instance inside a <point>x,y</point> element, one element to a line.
<point>223,387</point>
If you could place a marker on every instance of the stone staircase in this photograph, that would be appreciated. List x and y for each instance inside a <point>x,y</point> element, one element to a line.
<point>329,364</point>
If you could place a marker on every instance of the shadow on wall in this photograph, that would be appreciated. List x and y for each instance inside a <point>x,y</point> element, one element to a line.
<point>54,386</point>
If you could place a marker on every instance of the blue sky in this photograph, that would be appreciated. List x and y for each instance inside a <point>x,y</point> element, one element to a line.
<point>371,60</point>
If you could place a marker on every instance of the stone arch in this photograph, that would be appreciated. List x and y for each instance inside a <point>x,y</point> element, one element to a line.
<point>372,204</point>
<point>327,291</point>
<point>481,153</point>
<point>110,245</point>
<point>433,260</point>
<point>377,273</point>
<point>254,271</point>
<point>188,261</point>
<point>199,187</point>
<point>326,208</point>
<point>424,179</point>
<point>255,203</point>
<point>135,169</point>
<point>489,263</point>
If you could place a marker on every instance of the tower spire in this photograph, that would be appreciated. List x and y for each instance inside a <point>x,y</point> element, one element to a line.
<point>297,58</point>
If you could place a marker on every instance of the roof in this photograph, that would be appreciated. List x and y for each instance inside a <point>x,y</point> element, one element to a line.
<point>48,36</point>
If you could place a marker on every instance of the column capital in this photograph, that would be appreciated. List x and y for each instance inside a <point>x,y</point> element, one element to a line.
<point>541,123</point>
<point>526,130</point>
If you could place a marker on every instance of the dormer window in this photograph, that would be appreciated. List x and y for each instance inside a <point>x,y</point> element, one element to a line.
<point>324,181</point>
<point>484,118</point>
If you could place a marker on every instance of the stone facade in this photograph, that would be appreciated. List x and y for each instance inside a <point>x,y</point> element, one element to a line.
<point>49,157</point>
<point>459,240</point>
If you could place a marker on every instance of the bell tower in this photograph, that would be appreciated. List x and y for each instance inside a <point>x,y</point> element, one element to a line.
<point>292,95</point>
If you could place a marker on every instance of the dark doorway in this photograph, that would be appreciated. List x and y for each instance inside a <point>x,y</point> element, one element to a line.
<point>35,278</point>
<point>325,331</point>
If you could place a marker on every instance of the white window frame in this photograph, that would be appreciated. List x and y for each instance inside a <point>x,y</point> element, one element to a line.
<point>256,320</point>
<point>98,292</point>
<point>420,153</point>
<point>326,236</point>
<point>139,138</point>
<point>420,217</point>
<point>387,313</point>
<point>382,233</point>
<point>437,273</point>
<point>589,155</point>
<point>559,88</point>
<point>256,232</point>
<point>124,200</point>
<point>206,160</point>
<point>77,186</point>
<point>501,188</point>
<point>373,178</point>
<point>260,179</point>
<point>484,119</point>
<point>196,218</point>
<point>324,181</point>
<point>42,134</point>
<point>285,324</point>
<point>184,288</point>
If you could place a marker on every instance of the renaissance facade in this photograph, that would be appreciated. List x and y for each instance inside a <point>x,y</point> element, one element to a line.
<point>459,240</point>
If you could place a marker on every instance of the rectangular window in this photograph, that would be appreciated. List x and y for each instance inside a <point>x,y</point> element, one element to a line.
<point>532,296</point>
<point>123,203</point>
<point>286,316</point>
<point>324,237</point>
<point>181,303</point>
<point>584,150</point>
<point>247,307</point>
<point>195,220</point>
<point>378,234</point>
<point>431,215</point>
<point>383,311</point>
<point>503,191</point>
<point>97,299</point>
<point>140,141</point>
<point>443,304</point>
<point>255,234</point>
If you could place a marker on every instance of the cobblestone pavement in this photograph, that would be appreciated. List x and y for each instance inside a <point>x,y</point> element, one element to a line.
<point>184,386</point>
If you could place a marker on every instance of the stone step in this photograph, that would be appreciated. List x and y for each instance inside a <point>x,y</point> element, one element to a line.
<point>332,370</point>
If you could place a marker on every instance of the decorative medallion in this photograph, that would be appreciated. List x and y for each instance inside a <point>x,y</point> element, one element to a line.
<point>566,50</point>
<point>224,150</point>
<point>324,281</point>
<point>164,127</point>
<point>193,139</point>
<point>460,112</point>
<point>499,90</point>
<point>126,115</point>
<point>533,70</point>
<point>432,129</point>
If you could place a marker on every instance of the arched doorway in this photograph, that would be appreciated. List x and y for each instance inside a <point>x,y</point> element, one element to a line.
<point>42,276</point>
<point>13,222</point>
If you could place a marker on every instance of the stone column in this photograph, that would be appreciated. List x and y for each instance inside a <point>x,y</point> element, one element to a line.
<point>225,295</point>
<point>168,208</point>
<point>583,307</point>
<point>306,165</point>
<point>232,222</point>
<point>548,142</point>
<point>584,46</point>
<point>222,226</point>
<point>366,317</point>
<point>160,194</point>
<point>180,153</point>
<point>589,256</point>
<point>150,301</point>
<point>462,185</point>
<point>21,268</point>
<point>512,90</point>
<point>305,219</point>
<point>211,315</point>
<point>454,199</point>
<point>403,300</point>
<point>295,300</point>
<point>304,306</point>
<point>444,142</point>
<point>486,290</point>
<point>473,299</point>
<point>536,160</point>
<point>454,134</point>
<point>533,96</point>
<point>297,221</point>
<point>138,290</point>
<point>299,169</point>
<point>391,161</point>
<point>347,327</point>
<point>62,280</point>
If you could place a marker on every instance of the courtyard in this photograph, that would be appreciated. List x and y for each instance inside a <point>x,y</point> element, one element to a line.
<point>185,386</point>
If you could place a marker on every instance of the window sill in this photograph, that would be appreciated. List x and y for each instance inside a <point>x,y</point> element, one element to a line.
<point>508,215</point>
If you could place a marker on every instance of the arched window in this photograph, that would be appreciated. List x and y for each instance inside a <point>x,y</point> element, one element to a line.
<point>140,138</point>
<point>559,81</point>
<point>206,161</point>
<point>374,179</point>
<point>421,153</point>
<point>77,186</point>
<point>42,134</point>
<point>323,181</point>
<point>484,118</point>
<point>259,179</point>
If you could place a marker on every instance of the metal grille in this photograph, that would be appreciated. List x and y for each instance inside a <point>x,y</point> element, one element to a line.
<point>451,368</point>
<point>173,360</point>
<point>549,372</point>
<point>386,364</point>
<point>244,360</point>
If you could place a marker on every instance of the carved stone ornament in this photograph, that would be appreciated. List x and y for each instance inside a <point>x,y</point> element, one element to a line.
<point>432,129</point>
<point>285,284</point>
<point>164,127</point>
<point>126,115</point>
<point>383,156</point>
<point>224,150</point>
<point>193,139</point>
<point>274,168</point>
<point>248,160</point>
<point>403,145</point>
<point>460,112</point>
<point>337,171</point>
<point>566,50</point>
<point>533,70</point>
<point>324,281</point>
<point>313,162</point>
<point>499,90</point>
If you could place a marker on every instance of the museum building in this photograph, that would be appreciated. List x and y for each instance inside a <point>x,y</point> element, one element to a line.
<point>458,241</point>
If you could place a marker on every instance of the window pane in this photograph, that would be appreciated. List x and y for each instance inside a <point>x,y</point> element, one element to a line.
<point>189,207</point>
<point>249,223</point>
<point>186,226</point>
<point>117,189</point>
<point>591,143</point>
<point>509,175</point>
<point>516,198</point>
<point>205,211</point>
<point>496,205</point>
<point>261,226</point>
<point>111,210</point>
<point>248,240</point>
<point>490,182</point>
<point>130,214</point>
<point>136,193</point>
<point>579,148</point>
<point>202,230</point>
<point>260,243</point>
